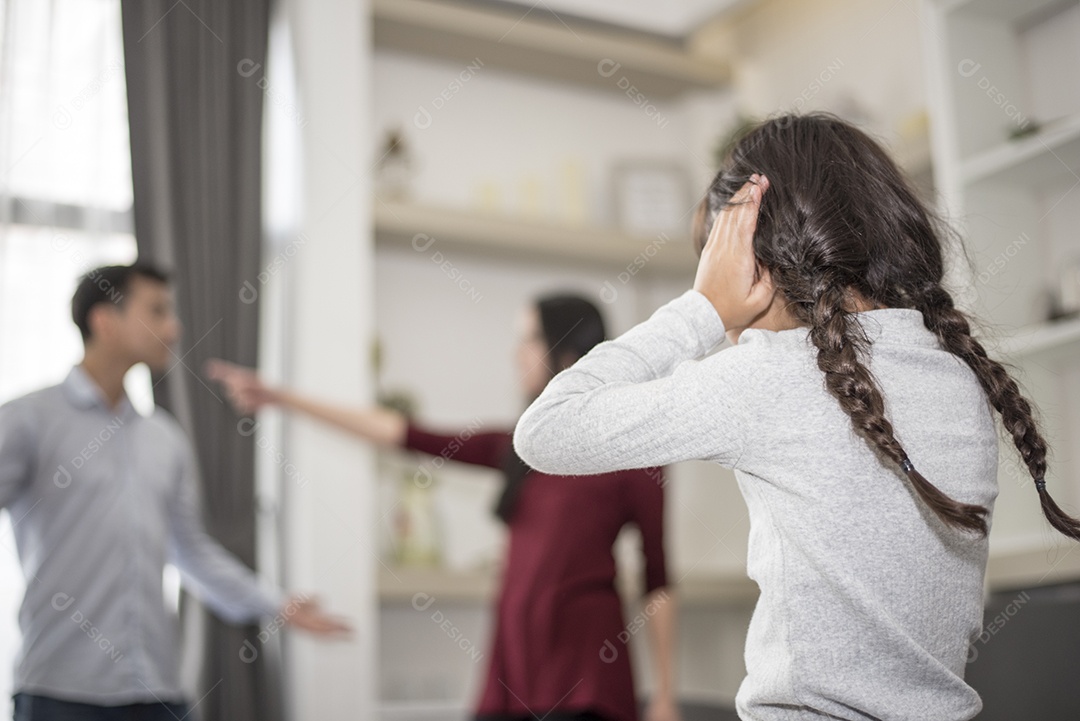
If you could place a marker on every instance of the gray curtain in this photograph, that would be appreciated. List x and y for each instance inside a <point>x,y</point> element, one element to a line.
<point>196,125</point>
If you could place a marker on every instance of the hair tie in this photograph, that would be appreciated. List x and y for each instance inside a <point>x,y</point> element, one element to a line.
<point>906,465</point>
<point>1040,484</point>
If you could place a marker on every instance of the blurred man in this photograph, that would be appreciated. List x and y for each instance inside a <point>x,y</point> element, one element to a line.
<point>101,498</point>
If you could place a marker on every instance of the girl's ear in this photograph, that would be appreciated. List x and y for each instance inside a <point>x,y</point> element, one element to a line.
<point>763,290</point>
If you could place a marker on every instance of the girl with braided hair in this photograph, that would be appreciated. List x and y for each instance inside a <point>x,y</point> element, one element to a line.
<point>855,407</point>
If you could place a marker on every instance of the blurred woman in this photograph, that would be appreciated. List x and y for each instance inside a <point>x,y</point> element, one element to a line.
<point>560,646</point>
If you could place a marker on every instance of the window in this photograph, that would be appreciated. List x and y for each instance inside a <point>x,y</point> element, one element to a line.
<point>65,207</point>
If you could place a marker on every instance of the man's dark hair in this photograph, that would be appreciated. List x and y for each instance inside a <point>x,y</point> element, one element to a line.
<point>107,284</point>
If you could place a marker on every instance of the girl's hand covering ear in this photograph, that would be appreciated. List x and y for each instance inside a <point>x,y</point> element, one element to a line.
<point>725,272</point>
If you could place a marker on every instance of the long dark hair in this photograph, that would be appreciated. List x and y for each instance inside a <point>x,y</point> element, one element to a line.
<point>571,326</point>
<point>840,216</point>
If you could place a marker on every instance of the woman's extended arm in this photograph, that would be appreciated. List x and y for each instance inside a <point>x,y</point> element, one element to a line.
<point>383,426</point>
<point>248,393</point>
<point>473,444</point>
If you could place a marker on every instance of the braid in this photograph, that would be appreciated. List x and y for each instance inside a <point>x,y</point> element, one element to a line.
<point>954,333</point>
<point>846,378</point>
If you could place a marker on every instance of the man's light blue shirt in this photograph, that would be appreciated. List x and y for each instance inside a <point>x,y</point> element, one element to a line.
<point>100,499</point>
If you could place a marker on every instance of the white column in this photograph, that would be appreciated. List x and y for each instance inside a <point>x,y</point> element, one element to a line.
<point>329,518</point>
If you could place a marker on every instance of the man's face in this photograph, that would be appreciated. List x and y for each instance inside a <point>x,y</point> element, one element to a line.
<point>143,328</point>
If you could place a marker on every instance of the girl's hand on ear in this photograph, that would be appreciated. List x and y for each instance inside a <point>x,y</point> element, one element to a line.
<point>725,272</point>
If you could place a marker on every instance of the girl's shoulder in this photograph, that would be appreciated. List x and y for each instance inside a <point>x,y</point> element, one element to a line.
<point>758,349</point>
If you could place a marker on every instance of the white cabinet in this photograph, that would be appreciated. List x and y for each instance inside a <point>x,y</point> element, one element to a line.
<point>1005,128</point>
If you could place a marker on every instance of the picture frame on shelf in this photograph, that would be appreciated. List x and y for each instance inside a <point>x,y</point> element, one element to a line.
<point>651,197</point>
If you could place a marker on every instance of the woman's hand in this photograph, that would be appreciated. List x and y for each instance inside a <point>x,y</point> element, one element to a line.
<point>247,393</point>
<point>243,387</point>
<point>725,272</point>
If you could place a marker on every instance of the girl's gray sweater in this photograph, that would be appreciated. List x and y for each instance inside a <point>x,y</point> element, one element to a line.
<point>868,602</point>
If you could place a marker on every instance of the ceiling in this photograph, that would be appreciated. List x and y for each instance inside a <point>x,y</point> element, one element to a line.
<point>676,18</point>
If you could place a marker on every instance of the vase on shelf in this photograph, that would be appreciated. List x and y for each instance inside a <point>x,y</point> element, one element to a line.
<point>415,522</point>
<point>394,169</point>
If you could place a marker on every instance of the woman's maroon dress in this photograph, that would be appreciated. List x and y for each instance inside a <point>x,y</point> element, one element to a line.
<point>560,638</point>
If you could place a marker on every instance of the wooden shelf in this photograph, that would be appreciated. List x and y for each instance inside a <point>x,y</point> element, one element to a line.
<point>541,45</point>
<point>1008,11</point>
<point>401,223</point>
<point>1037,561</point>
<point>1012,563</point>
<point>400,585</point>
<point>1051,154</point>
<point>1041,338</point>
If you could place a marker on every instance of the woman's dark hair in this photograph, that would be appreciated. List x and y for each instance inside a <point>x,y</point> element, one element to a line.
<point>107,284</point>
<point>840,218</point>
<point>571,327</point>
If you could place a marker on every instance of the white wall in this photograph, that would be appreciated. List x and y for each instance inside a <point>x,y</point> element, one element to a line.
<point>796,55</point>
<point>329,539</point>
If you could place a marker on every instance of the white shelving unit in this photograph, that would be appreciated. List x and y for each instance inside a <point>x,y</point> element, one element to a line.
<point>1043,338</point>
<point>1005,127</point>
<point>1052,154</point>
<point>539,45</point>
